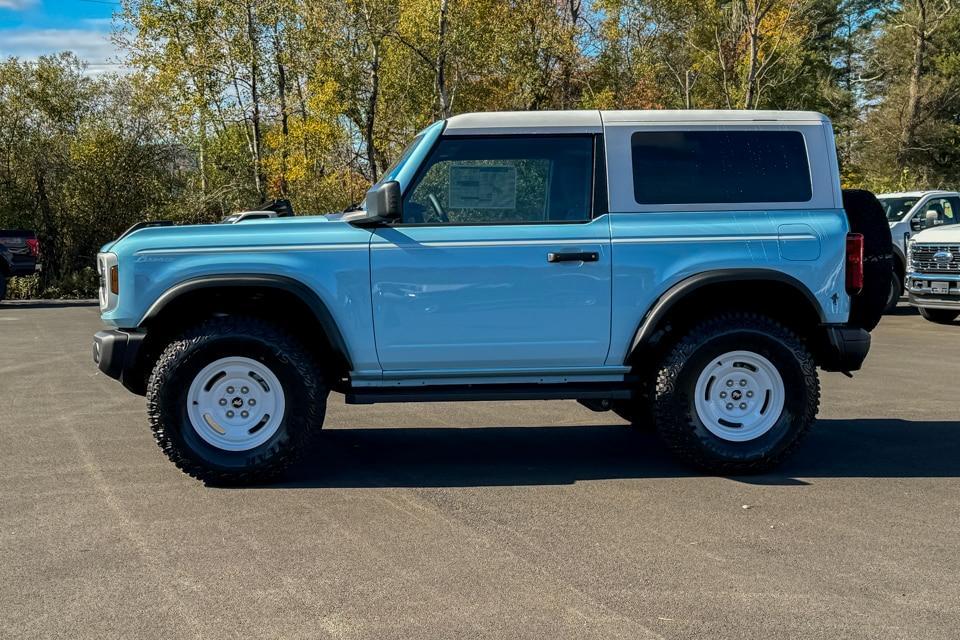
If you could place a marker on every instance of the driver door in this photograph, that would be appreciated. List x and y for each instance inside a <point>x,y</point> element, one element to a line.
<point>499,263</point>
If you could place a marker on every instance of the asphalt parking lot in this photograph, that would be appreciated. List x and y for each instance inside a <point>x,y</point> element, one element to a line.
<point>477,520</point>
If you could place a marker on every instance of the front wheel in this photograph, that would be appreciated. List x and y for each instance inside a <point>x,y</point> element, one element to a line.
<point>736,394</point>
<point>940,316</point>
<point>896,291</point>
<point>235,400</point>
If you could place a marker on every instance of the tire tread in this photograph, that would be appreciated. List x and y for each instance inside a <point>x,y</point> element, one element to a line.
<point>286,346</point>
<point>677,430</point>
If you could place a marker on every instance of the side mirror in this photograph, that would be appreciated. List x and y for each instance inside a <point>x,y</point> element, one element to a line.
<point>384,202</point>
<point>916,223</point>
<point>930,219</point>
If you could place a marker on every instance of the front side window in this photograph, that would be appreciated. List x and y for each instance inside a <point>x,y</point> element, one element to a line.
<point>722,167</point>
<point>946,210</point>
<point>503,179</point>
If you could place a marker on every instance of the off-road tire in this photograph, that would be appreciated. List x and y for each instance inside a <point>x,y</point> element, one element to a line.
<point>184,357</point>
<point>940,316</point>
<point>865,215</point>
<point>675,414</point>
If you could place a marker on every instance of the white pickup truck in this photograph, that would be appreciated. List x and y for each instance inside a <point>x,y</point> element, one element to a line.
<point>933,276</point>
<point>911,212</point>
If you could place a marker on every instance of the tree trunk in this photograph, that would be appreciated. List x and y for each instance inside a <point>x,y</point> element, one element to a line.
<point>441,64</point>
<point>911,116</point>
<point>202,153</point>
<point>284,117</point>
<point>371,116</point>
<point>258,175</point>
<point>749,94</point>
<point>46,231</point>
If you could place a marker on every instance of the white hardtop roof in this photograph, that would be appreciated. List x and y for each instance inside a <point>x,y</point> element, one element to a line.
<point>593,120</point>
<point>916,194</point>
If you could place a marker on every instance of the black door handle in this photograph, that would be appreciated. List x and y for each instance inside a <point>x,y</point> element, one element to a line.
<point>574,256</point>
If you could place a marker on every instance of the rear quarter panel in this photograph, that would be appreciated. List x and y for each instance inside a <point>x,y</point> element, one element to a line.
<point>652,252</point>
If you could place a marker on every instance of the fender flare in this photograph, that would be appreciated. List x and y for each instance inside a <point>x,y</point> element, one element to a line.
<point>283,283</point>
<point>687,286</point>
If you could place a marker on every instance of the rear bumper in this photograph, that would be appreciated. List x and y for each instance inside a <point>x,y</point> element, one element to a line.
<point>115,354</point>
<point>845,348</point>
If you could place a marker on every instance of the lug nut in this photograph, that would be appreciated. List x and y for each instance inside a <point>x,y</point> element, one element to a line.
<point>743,383</point>
<point>229,414</point>
<point>244,390</point>
<point>244,414</point>
<point>729,383</point>
<point>230,389</point>
<point>743,405</point>
<point>223,401</point>
<point>251,402</point>
<point>729,406</point>
<point>723,394</point>
<point>749,394</point>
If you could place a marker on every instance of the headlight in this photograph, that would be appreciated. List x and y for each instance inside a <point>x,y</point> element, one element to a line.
<point>109,272</point>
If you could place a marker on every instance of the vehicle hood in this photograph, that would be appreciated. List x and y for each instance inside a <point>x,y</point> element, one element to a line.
<point>948,233</point>
<point>274,232</point>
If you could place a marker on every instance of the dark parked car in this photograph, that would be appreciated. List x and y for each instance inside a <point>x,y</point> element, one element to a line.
<point>19,255</point>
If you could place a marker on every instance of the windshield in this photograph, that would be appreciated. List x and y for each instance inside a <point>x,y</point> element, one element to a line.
<point>896,208</point>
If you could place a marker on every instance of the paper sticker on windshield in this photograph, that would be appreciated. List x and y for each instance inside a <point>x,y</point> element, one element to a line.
<point>483,187</point>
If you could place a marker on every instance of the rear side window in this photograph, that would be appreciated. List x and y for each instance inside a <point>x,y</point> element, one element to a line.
<point>705,167</point>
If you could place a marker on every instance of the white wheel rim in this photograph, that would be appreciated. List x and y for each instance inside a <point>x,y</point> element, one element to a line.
<point>739,396</point>
<point>235,404</point>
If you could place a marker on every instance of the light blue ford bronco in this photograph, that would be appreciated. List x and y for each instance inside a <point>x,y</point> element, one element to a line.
<point>689,270</point>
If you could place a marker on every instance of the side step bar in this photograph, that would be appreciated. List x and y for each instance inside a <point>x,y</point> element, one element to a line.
<point>464,393</point>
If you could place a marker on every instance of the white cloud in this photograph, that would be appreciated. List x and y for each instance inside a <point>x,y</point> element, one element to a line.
<point>90,45</point>
<point>16,5</point>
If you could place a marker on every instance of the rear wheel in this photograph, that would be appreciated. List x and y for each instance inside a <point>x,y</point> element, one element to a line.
<point>736,394</point>
<point>940,316</point>
<point>235,400</point>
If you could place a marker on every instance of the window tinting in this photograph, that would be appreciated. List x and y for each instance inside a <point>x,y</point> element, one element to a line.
<point>687,167</point>
<point>503,179</point>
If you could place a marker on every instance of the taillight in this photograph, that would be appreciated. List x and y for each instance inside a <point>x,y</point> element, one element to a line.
<point>34,245</point>
<point>854,263</point>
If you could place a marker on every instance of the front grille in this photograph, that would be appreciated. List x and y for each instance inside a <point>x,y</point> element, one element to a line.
<point>922,261</point>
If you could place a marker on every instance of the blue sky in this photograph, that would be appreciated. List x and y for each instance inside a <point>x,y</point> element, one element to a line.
<point>30,28</point>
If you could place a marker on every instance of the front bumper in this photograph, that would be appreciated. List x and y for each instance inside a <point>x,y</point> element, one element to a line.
<point>920,291</point>
<point>845,348</point>
<point>115,353</point>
